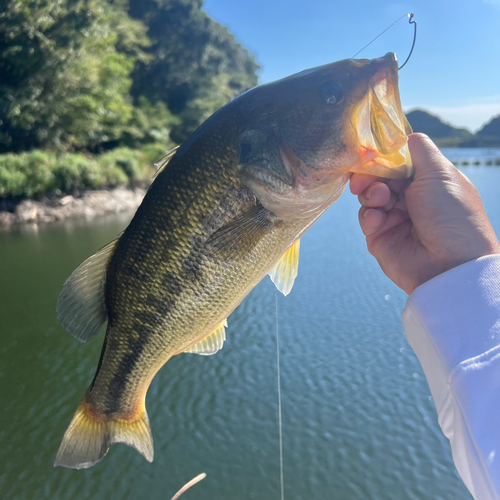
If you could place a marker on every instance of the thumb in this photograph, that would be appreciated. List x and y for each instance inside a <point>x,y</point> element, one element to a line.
<point>427,159</point>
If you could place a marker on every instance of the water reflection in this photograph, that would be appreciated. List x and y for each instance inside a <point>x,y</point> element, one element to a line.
<point>71,225</point>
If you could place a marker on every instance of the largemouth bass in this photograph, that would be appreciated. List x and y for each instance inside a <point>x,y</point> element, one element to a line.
<point>227,208</point>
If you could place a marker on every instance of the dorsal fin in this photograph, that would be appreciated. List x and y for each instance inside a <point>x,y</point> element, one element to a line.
<point>161,164</point>
<point>283,274</point>
<point>80,308</point>
<point>211,344</point>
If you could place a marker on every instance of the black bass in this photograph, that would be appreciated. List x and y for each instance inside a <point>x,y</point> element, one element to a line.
<point>226,208</point>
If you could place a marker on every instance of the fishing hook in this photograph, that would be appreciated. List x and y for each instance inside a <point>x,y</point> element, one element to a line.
<point>414,39</point>
<point>397,20</point>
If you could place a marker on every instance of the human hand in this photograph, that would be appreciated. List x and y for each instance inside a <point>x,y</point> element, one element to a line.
<point>419,229</point>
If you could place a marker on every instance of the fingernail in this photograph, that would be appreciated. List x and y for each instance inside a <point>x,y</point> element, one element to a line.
<point>374,190</point>
<point>366,213</point>
<point>370,192</point>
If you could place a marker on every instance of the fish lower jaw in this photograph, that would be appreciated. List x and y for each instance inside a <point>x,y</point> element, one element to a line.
<point>372,163</point>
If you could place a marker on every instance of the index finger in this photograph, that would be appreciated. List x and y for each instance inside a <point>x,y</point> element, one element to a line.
<point>359,182</point>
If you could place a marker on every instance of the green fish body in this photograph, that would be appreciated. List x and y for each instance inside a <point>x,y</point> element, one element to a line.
<point>227,207</point>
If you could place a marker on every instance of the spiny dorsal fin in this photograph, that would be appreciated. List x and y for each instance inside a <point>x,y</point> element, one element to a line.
<point>283,274</point>
<point>211,344</point>
<point>80,307</point>
<point>161,164</point>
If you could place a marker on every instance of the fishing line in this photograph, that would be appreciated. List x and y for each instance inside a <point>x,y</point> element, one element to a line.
<point>280,419</point>
<point>280,422</point>
<point>378,36</point>
<point>410,16</point>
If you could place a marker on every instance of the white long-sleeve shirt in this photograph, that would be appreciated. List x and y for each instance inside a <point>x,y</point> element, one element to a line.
<point>453,324</point>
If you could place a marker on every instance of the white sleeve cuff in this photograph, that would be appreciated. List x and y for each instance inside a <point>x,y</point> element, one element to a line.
<point>453,324</point>
<point>459,312</point>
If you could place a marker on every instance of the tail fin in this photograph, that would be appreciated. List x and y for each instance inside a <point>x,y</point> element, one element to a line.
<point>88,438</point>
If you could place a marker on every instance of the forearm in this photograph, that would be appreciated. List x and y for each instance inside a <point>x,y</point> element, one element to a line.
<point>453,325</point>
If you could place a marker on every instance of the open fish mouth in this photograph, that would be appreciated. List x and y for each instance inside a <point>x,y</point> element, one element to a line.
<point>381,125</point>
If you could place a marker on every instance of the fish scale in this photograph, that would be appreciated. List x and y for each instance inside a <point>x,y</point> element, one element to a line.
<point>193,272</point>
<point>227,207</point>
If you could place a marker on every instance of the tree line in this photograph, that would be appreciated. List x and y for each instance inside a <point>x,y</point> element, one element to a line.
<point>92,75</point>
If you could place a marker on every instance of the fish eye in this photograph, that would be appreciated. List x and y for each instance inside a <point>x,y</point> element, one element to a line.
<point>331,92</point>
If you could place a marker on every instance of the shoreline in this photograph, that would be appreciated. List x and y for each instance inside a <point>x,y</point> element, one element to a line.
<point>86,205</point>
<point>89,204</point>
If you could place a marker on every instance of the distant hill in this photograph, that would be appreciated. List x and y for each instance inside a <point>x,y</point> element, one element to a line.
<point>441,133</point>
<point>488,136</point>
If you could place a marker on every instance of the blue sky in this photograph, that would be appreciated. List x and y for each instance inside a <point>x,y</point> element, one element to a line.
<point>454,70</point>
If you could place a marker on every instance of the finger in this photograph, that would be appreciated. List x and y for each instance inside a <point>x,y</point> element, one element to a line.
<point>371,219</point>
<point>393,219</point>
<point>399,205</point>
<point>401,201</point>
<point>391,203</point>
<point>359,182</point>
<point>427,159</point>
<point>376,195</point>
<point>398,185</point>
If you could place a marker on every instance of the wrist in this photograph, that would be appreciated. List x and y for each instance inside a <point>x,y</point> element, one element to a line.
<point>452,266</point>
<point>482,247</point>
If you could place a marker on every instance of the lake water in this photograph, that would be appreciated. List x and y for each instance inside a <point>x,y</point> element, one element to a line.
<point>358,418</point>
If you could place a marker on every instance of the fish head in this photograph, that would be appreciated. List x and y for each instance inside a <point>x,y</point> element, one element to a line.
<point>305,134</point>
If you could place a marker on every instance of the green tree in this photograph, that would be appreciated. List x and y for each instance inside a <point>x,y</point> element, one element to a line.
<point>64,72</point>
<point>197,66</point>
<point>67,68</point>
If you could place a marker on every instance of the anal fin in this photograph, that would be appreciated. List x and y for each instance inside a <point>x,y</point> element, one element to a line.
<point>211,344</point>
<point>283,274</point>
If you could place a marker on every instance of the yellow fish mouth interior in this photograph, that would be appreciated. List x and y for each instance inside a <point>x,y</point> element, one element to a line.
<point>381,126</point>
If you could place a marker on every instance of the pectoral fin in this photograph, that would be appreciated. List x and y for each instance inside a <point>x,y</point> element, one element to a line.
<point>283,274</point>
<point>211,344</point>
<point>242,234</point>
<point>80,308</point>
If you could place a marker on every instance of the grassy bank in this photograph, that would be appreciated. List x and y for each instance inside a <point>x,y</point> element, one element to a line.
<point>42,173</point>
